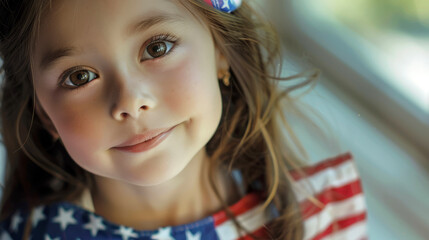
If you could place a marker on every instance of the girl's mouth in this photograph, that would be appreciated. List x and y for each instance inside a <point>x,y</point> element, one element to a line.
<point>146,141</point>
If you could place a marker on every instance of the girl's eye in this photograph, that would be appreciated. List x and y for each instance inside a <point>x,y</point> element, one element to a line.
<point>158,46</point>
<point>78,78</point>
<point>156,50</point>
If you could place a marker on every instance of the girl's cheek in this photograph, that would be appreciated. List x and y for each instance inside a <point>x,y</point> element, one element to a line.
<point>189,83</point>
<point>76,118</point>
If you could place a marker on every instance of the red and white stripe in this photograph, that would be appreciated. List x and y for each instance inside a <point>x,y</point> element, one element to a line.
<point>249,213</point>
<point>334,182</point>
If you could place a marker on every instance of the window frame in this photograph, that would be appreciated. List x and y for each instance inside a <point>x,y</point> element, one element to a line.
<point>362,83</point>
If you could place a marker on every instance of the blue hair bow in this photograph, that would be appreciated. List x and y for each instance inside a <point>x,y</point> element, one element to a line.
<point>224,5</point>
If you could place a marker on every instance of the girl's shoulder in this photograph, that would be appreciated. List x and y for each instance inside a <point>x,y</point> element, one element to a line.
<point>42,221</point>
<point>331,199</point>
<point>69,221</point>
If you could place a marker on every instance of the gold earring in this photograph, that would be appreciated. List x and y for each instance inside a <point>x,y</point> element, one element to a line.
<point>225,79</point>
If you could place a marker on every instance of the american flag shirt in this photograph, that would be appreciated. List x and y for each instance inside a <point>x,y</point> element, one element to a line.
<point>333,182</point>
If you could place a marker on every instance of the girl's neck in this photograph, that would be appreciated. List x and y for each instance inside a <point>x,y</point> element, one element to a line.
<point>185,198</point>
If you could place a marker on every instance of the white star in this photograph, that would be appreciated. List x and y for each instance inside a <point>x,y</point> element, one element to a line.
<point>16,220</point>
<point>5,236</point>
<point>190,236</point>
<point>163,234</point>
<point>37,216</point>
<point>126,232</point>
<point>95,224</point>
<point>47,237</point>
<point>64,218</point>
<point>225,4</point>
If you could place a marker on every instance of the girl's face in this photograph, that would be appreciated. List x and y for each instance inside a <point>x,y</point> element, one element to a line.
<point>108,71</point>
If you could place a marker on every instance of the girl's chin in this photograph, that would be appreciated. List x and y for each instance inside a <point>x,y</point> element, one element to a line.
<point>152,176</point>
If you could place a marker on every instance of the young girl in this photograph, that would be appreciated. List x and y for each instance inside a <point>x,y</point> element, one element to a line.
<point>143,119</point>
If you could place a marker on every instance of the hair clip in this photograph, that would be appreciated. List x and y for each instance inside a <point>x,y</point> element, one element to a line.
<point>224,5</point>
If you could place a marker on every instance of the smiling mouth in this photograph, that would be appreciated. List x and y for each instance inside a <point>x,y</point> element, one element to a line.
<point>145,142</point>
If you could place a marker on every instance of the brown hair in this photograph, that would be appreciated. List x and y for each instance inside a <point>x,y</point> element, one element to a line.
<point>249,137</point>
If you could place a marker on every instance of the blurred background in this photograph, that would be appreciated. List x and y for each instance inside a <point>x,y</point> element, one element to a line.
<point>373,93</point>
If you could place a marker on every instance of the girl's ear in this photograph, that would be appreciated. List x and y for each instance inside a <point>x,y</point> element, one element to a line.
<point>222,64</point>
<point>46,121</point>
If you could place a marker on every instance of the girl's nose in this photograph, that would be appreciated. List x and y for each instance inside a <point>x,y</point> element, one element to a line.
<point>130,103</point>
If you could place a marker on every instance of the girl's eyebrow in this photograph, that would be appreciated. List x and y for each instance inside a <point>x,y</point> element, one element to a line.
<point>50,57</point>
<point>153,20</point>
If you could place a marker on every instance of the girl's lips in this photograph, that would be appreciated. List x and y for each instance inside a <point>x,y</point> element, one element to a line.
<point>144,142</point>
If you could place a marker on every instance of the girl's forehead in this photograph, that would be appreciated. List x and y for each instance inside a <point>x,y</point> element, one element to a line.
<point>64,5</point>
<point>108,12</point>
<point>92,23</point>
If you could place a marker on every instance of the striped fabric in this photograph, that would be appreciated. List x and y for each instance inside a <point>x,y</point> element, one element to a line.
<point>333,182</point>
<point>249,213</point>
